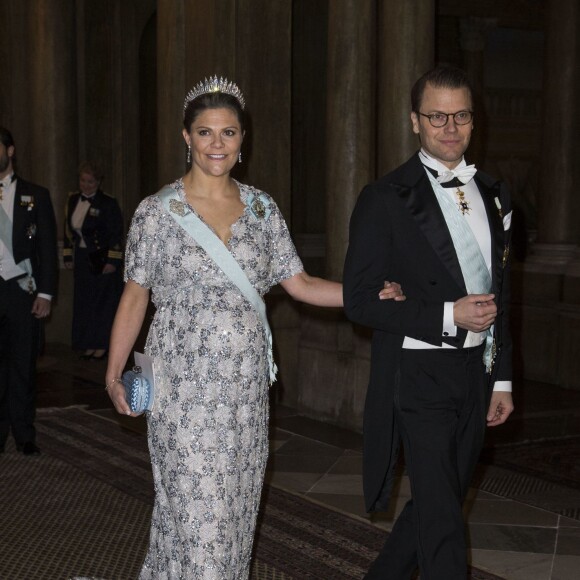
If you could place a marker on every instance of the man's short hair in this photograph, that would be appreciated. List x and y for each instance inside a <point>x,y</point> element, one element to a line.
<point>440,77</point>
<point>6,137</point>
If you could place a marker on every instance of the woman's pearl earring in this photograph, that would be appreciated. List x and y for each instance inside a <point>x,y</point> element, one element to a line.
<point>189,154</point>
<point>240,157</point>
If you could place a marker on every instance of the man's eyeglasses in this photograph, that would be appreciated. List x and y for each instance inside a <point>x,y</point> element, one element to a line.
<point>440,119</point>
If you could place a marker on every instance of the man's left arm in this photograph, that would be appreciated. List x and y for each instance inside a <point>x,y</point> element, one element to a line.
<point>501,404</point>
<point>46,255</point>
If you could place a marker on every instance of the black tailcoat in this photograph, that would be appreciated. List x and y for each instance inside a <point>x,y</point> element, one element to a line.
<point>102,228</point>
<point>398,233</point>
<point>33,238</point>
<point>34,234</point>
<point>96,295</point>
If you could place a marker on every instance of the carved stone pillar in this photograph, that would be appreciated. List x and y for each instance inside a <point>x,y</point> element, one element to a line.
<point>52,74</point>
<point>405,50</point>
<point>263,68</point>
<point>170,89</point>
<point>473,33</point>
<point>323,358</point>
<point>350,131</point>
<point>559,203</point>
<point>551,275</point>
<point>195,40</point>
<point>15,92</point>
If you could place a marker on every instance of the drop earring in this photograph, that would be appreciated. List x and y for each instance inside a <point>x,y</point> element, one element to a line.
<point>240,157</point>
<point>189,154</point>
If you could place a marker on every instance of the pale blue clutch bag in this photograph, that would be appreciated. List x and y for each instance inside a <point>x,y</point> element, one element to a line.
<point>139,391</point>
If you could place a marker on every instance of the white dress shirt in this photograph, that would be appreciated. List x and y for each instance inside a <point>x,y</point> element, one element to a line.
<point>8,267</point>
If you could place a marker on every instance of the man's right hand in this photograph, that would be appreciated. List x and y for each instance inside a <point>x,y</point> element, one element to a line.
<point>475,312</point>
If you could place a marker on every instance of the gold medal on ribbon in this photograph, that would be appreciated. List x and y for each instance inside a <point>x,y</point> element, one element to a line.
<point>462,202</point>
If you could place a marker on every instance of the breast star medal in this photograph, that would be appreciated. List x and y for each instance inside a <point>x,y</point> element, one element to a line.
<point>258,204</point>
<point>462,202</point>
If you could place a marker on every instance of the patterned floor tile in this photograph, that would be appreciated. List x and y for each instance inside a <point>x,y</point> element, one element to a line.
<point>512,538</point>
<point>568,543</point>
<point>339,484</point>
<point>514,565</point>
<point>292,481</point>
<point>566,568</point>
<point>508,512</point>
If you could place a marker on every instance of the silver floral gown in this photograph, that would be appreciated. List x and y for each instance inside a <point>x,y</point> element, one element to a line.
<point>208,432</point>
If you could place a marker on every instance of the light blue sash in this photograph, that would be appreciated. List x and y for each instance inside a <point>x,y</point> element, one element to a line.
<point>27,283</point>
<point>218,252</point>
<point>5,229</point>
<point>475,273</point>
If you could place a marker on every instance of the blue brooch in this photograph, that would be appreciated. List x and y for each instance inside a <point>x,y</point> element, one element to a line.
<point>259,205</point>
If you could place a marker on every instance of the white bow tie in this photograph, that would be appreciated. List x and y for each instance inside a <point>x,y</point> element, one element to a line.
<point>465,174</point>
<point>4,183</point>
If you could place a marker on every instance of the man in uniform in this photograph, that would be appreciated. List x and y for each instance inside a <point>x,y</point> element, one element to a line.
<point>28,273</point>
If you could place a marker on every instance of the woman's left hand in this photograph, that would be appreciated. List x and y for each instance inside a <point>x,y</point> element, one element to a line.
<point>392,291</point>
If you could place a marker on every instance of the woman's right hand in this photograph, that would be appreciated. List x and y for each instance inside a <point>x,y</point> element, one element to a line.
<point>392,291</point>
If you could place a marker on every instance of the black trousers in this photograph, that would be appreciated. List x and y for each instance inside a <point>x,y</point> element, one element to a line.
<point>441,400</point>
<point>19,341</point>
<point>96,297</point>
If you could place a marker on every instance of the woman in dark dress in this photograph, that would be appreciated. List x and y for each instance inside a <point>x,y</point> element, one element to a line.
<point>93,247</point>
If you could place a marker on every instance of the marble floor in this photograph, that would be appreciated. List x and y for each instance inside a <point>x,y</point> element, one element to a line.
<point>517,540</point>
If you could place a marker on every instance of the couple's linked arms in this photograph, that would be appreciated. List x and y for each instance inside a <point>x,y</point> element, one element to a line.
<point>133,306</point>
<point>321,292</point>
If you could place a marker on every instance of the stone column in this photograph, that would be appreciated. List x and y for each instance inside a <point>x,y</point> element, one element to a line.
<point>558,200</point>
<point>50,150</point>
<point>350,130</point>
<point>263,68</point>
<point>473,33</point>
<point>405,51</point>
<point>170,89</point>
<point>14,92</point>
<point>559,203</point>
<point>550,285</point>
<point>326,356</point>
<point>53,145</point>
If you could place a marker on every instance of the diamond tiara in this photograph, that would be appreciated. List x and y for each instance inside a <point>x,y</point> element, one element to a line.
<point>213,85</point>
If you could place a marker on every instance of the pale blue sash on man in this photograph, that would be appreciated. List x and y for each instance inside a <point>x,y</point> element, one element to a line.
<point>218,252</point>
<point>475,272</point>
<point>28,282</point>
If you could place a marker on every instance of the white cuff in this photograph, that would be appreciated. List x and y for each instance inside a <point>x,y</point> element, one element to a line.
<point>449,328</point>
<point>504,386</point>
<point>47,296</point>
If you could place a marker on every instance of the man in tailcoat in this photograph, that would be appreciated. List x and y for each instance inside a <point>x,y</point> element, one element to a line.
<point>28,274</point>
<point>441,359</point>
